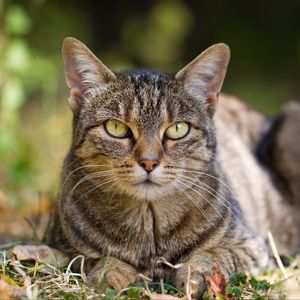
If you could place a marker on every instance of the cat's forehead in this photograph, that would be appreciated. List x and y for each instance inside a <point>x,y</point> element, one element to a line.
<point>153,94</point>
<point>148,99</point>
<point>146,103</point>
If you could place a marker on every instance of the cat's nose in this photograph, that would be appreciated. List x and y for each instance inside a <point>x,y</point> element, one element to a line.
<point>148,164</point>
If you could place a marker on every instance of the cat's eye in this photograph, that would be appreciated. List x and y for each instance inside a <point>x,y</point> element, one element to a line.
<point>177,130</point>
<point>116,128</point>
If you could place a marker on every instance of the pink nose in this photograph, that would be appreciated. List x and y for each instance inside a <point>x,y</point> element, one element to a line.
<point>149,165</point>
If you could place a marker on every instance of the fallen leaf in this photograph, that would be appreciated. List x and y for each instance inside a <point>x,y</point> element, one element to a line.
<point>216,282</point>
<point>41,253</point>
<point>8,291</point>
<point>154,296</point>
<point>4,293</point>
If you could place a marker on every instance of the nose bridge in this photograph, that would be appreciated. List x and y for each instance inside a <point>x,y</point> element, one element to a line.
<point>148,148</point>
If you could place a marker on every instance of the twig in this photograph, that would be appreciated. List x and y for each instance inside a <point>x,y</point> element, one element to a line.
<point>162,288</point>
<point>188,287</point>
<point>120,293</point>
<point>68,270</point>
<point>145,279</point>
<point>20,271</point>
<point>276,254</point>
<point>164,261</point>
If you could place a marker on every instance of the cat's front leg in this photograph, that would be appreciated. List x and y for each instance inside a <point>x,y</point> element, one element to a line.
<point>191,276</point>
<point>111,272</point>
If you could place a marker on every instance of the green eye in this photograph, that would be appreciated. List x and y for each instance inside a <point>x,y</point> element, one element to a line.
<point>177,130</point>
<point>116,128</point>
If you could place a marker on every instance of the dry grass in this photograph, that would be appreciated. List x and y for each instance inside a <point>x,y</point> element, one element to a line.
<point>38,280</point>
<point>42,280</point>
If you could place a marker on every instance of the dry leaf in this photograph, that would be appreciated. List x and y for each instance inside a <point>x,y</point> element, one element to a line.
<point>216,281</point>
<point>4,293</point>
<point>154,296</point>
<point>8,291</point>
<point>41,253</point>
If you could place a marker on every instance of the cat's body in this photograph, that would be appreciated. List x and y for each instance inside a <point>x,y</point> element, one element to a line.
<point>145,179</point>
<point>264,198</point>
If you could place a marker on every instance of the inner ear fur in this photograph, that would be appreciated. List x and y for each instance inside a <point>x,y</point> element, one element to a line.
<point>83,71</point>
<point>203,77</point>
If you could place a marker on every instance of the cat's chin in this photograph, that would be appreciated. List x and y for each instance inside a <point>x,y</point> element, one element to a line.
<point>148,190</point>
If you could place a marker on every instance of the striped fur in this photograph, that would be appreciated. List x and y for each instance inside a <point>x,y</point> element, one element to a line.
<point>188,214</point>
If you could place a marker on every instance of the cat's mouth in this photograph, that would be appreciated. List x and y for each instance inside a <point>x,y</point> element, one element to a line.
<point>147,188</point>
<point>147,182</point>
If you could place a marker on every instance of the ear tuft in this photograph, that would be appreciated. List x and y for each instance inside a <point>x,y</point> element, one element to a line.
<point>83,71</point>
<point>203,77</point>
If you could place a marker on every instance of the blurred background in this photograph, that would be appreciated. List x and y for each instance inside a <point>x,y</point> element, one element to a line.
<point>264,37</point>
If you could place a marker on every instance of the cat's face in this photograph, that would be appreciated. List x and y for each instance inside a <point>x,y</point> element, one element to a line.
<point>140,132</point>
<point>143,131</point>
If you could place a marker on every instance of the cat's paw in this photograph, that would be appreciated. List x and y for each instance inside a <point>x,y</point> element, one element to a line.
<point>113,273</point>
<point>190,281</point>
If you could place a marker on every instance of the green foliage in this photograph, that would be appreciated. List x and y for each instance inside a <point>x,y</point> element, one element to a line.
<point>239,278</point>
<point>138,291</point>
<point>109,294</point>
<point>27,76</point>
<point>241,287</point>
<point>17,21</point>
<point>134,293</point>
<point>259,284</point>
<point>235,291</point>
<point>66,296</point>
<point>157,39</point>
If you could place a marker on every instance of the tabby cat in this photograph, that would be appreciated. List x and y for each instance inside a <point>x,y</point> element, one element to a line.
<point>154,173</point>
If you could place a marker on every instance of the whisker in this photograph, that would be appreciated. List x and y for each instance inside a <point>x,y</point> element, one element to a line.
<point>218,199</point>
<point>96,187</point>
<point>209,175</point>
<point>77,169</point>
<point>194,202</point>
<point>115,183</point>
<point>217,193</point>
<point>85,178</point>
<point>203,197</point>
<point>115,191</point>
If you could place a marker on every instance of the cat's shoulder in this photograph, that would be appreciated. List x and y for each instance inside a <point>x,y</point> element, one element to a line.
<point>240,119</point>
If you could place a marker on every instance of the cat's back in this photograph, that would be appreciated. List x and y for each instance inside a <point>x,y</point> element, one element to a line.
<point>237,118</point>
<point>240,129</point>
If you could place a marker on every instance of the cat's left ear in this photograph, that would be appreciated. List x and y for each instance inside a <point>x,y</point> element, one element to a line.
<point>203,77</point>
<point>83,71</point>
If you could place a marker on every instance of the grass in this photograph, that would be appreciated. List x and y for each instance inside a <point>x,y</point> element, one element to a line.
<point>35,280</point>
<point>42,280</point>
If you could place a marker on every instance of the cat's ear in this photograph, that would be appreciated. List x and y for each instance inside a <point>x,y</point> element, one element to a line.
<point>203,77</point>
<point>83,71</point>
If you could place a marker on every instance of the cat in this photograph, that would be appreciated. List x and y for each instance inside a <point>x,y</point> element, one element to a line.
<point>164,166</point>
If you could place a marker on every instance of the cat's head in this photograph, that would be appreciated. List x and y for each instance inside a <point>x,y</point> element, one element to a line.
<point>141,132</point>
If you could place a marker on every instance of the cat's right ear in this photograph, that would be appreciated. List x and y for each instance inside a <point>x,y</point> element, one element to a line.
<point>83,71</point>
<point>203,77</point>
